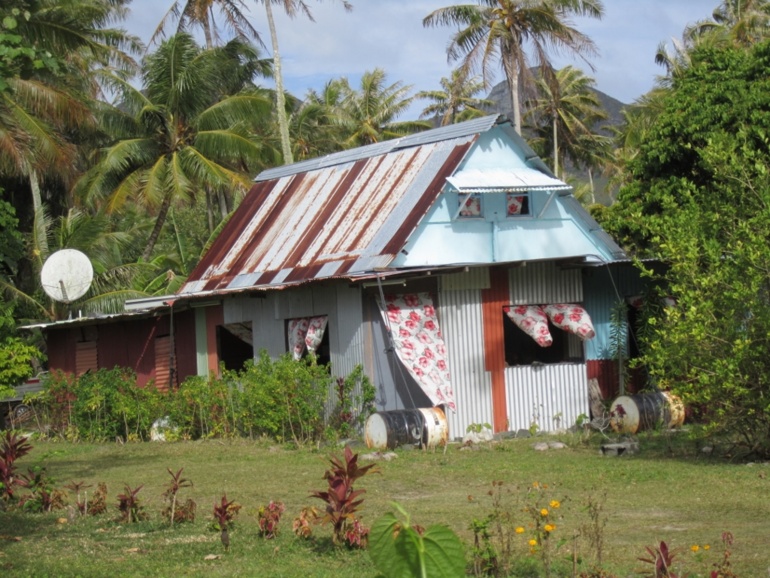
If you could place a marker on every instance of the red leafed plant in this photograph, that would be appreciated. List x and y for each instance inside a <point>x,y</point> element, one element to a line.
<point>269,516</point>
<point>12,447</point>
<point>128,504</point>
<point>173,513</point>
<point>342,500</point>
<point>224,518</point>
<point>303,524</point>
<point>663,559</point>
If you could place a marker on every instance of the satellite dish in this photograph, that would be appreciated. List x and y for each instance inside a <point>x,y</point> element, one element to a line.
<point>66,275</point>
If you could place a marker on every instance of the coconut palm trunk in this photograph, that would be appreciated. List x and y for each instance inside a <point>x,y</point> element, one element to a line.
<point>280,98</point>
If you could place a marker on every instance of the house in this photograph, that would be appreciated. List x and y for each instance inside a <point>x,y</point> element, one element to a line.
<point>451,264</point>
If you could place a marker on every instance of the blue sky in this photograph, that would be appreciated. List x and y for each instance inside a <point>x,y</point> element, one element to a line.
<point>388,34</point>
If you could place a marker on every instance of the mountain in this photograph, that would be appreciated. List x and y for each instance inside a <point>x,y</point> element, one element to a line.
<point>501,99</point>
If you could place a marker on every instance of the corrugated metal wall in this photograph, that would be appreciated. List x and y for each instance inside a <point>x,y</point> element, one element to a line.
<point>543,283</point>
<point>460,316</point>
<point>552,396</point>
<point>268,315</point>
<point>604,287</point>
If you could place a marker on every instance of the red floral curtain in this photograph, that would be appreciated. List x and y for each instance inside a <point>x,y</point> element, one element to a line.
<point>419,344</point>
<point>306,332</point>
<point>571,318</point>
<point>531,319</point>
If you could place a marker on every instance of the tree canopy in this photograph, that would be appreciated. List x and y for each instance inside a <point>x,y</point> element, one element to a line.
<point>699,199</point>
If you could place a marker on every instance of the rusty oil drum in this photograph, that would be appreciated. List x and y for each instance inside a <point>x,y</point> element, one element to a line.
<point>645,411</point>
<point>419,427</point>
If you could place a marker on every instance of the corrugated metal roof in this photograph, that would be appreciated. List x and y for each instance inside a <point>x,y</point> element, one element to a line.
<point>460,130</point>
<point>504,180</point>
<point>351,214</point>
<point>344,215</point>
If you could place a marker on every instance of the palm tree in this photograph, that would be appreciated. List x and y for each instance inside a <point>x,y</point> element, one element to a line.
<point>564,115</point>
<point>292,8</point>
<point>499,30</point>
<point>738,22</point>
<point>108,249</point>
<point>314,126</point>
<point>188,129</point>
<point>201,13</point>
<point>457,100</point>
<point>368,115</point>
<point>45,102</point>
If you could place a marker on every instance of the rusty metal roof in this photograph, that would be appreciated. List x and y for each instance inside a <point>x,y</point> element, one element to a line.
<point>342,215</point>
<point>347,215</point>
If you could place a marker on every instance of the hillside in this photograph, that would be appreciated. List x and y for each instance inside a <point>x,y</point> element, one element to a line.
<point>501,96</point>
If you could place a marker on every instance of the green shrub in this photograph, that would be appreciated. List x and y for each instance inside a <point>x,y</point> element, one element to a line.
<point>283,398</point>
<point>97,406</point>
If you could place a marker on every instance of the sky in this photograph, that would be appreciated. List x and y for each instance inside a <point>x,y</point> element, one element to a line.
<point>389,34</point>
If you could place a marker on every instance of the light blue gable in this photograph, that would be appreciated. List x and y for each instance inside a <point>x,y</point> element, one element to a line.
<point>556,227</point>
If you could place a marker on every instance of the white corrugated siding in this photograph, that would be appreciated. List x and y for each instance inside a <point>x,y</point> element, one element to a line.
<point>460,316</point>
<point>543,283</point>
<point>553,396</point>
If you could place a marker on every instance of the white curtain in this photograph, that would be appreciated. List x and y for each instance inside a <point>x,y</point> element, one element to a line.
<point>531,319</point>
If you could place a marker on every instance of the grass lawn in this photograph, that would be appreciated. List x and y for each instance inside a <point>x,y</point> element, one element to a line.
<point>669,491</point>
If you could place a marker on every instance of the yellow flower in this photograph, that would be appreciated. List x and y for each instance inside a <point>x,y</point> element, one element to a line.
<point>532,542</point>
<point>706,547</point>
<point>536,485</point>
<point>544,512</point>
<point>549,527</point>
<point>694,547</point>
<point>520,530</point>
<point>555,504</point>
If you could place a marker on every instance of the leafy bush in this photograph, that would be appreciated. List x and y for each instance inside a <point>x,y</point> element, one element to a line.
<point>354,404</point>
<point>283,398</point>
<point>97,406</point>
<point>199,408</point>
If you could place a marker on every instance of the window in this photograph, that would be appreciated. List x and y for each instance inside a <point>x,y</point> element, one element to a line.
<point>165,372</point>
<point>305,335</point>
<point>469,205</point>
<point>545,333</point>
<point>521,349</point>
<point>86,358</point>
<point>517,204</point>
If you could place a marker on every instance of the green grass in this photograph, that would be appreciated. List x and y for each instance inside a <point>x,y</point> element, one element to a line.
<point>668,491</point>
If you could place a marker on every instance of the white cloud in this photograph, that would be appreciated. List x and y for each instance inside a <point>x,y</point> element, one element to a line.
<point>389,34</point>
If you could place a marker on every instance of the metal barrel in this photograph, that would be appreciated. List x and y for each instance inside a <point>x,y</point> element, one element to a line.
<point>645,411</point>
<point>421,427</point>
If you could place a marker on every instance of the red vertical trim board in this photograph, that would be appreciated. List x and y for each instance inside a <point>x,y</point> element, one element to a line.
<point>492,302</point>
<point>214,316</point>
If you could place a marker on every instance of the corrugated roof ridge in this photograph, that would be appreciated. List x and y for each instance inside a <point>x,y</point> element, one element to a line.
<point>459,130</point>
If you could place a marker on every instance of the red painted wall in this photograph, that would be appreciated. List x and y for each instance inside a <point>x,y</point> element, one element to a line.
<point>127,343</point>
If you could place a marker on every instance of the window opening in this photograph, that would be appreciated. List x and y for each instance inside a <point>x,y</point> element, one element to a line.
<point>517,204</point>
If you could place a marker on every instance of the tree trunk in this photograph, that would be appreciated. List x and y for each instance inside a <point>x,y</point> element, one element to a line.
<point>160,220</point>
<point>555,144</point>
<point>41,240</point>
<point>210,209</point>
<point>513,85</point>
<point>280,99</point>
